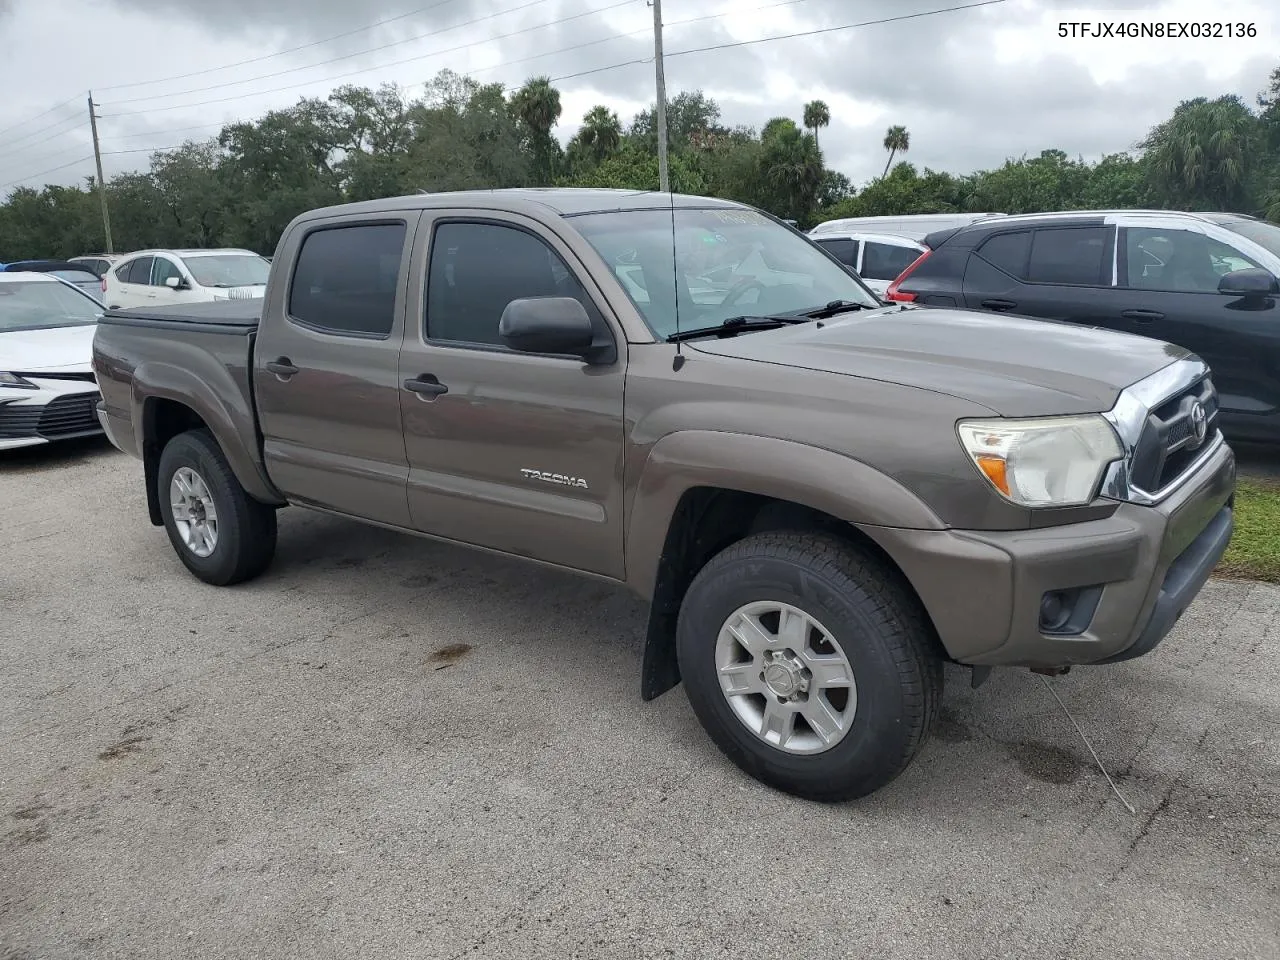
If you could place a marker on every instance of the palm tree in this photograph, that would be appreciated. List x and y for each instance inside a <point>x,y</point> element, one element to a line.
<point>896,140</point>
<point>816,114</point>
<point>601,132</point>
<point>1203,156</point>
<point>792,165</point>
<point>537,106</point>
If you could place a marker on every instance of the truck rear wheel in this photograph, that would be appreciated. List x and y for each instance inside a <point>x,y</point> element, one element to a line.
<point>219,532</point>
<point>809,663</point>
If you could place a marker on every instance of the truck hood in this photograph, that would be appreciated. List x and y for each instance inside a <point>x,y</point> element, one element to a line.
<point>54,350</point>
<point>1013,366</point>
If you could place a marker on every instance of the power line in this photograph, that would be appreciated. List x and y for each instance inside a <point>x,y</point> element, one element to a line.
<point>387,46</point>
<point>76,124</point>
<point>785,36</point>
<point>42,173</point>
<point>56,106</point>
<point>280,53</point>
<point>73,121</point>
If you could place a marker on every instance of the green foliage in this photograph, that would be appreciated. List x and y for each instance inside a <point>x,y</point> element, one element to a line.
<point>244,186</point>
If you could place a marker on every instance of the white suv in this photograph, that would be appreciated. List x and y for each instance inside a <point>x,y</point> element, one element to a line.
<point>877,258</point>
<point>158,277</point>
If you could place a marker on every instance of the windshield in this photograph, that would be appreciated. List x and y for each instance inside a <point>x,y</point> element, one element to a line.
<point>728,263</point>
<point>43,304</point>
<point>229,270</point>
<point>1263,234</point>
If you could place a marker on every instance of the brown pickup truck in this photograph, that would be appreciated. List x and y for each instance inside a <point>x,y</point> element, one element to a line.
<point>822,497</point>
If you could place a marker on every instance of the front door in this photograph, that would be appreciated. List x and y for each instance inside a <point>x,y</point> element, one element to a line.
<point>325,367</point>
<point>1169,290</point>
<point>513,451</point>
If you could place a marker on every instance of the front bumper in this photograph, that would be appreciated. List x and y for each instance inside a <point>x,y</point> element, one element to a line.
<point>65,411</point>
<point>1132,574</point>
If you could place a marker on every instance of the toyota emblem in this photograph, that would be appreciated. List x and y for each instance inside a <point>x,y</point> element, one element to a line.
<point>1199,422</point>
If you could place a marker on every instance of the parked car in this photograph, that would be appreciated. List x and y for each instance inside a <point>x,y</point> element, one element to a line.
<point>914,226</point>
<point>99,263</point>
<point>822,497</point>
<point>47,387</point>
<point>1205,281</point>
<point>154,277</point>
<point>73,273</point>
<point>877,258</point>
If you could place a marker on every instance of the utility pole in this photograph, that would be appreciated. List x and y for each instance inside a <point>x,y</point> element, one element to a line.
<point>664,181</point>
<point>102,187</point>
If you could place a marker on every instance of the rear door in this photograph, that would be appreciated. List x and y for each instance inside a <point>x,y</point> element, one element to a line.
<point>132,283</point>
<point>883,259</point>
<point>843,249</point>
<point>513,451</point>
<point>1062,271</point>
<point>1169,275</point>
<point>325,366</point>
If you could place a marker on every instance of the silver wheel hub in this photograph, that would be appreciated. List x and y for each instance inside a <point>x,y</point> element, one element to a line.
<point>786,677</point>
<point>194,515</point>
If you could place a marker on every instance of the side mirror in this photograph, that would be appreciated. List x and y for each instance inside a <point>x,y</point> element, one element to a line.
<point>173,283</point>
<point>1253,282</point>
<point>547,325</point>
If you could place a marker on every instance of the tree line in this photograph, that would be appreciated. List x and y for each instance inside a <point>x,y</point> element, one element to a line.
<point>243,186</point>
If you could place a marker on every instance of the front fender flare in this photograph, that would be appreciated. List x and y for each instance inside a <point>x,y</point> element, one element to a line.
<point>813,477</point>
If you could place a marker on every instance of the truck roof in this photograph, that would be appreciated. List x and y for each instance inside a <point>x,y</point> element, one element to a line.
<point>565,201</point>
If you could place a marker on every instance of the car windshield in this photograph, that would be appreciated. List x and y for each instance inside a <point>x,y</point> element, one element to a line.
<point>1264,235</point>
<point>43,304</point>
<point>713,264</point>
<point>229,270</point>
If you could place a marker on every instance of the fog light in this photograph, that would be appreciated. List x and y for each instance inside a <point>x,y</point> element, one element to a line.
<point>1055,610</point>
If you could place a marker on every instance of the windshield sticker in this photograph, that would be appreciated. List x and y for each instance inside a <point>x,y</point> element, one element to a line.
<point>741,217</point>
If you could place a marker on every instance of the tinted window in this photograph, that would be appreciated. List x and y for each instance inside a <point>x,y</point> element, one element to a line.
<point>1070,255</point>
<point>1178,260</point>
<point>884,261</point>
<point>846,251</point>
<point>162,270</point>
<point>346,277</point>
<point>701,267</point>
<point>136,271</point>
<point>1265,235</point>
<point>479,268</point>
<point>1008,252</point>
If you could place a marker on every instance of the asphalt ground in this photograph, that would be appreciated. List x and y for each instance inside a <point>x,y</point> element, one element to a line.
<point>388,748</point>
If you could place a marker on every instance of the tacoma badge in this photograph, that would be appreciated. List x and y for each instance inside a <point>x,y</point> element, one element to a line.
<point>559,478</point>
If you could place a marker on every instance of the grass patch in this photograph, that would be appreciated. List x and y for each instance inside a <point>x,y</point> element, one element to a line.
<point>1254,553</point>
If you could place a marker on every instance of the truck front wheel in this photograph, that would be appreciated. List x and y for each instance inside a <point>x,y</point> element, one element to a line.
<point>219,532</point>
<point>809,663</point>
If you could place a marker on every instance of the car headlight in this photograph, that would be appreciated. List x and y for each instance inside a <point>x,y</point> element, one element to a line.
<point>13,380</point>
<point>1045,462</point>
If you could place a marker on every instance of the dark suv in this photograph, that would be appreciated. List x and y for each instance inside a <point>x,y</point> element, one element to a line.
<point>1204,281</point>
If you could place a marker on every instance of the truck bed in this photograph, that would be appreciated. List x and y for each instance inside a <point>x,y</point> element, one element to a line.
<point>241,314</point>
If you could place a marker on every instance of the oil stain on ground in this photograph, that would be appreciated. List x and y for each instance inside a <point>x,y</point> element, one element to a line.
<point>1045,762</point>
<point>949,728</point>
<point>123,747</point>
<point>448,655</point>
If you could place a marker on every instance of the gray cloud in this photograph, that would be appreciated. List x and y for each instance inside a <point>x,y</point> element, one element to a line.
<point>937,75</point>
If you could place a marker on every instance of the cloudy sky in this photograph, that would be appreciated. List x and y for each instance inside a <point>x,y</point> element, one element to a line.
<point>973,86</point>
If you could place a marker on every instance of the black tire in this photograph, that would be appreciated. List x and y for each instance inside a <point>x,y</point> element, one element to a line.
<point>246,539</point>
<point>875,618</point>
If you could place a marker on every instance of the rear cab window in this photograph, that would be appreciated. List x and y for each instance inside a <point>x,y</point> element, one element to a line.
<point>346,277</point>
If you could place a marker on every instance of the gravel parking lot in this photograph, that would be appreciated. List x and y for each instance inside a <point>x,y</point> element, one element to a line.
<point>391,748</point>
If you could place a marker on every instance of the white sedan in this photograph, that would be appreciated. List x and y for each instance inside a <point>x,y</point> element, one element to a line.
<point>153,278</point>
<point>47,388</point>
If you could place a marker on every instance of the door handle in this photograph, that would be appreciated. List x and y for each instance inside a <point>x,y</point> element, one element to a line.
<point>1142,316</point>
<point>999,304</point>
<point>427,386</point>
<point>281,367</point>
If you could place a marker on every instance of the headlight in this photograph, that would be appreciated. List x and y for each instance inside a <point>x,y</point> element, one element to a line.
<point>1046,462</point>
<point>13,380</point>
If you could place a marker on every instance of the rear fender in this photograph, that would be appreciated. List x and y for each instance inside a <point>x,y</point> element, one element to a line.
<point>226,409</point>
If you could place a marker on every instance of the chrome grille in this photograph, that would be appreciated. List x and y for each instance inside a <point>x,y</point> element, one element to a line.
<point>1168,423</point>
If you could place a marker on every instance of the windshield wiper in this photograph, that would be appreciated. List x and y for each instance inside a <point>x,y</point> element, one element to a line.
<point>834,307</point>
<point>736,325</point>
